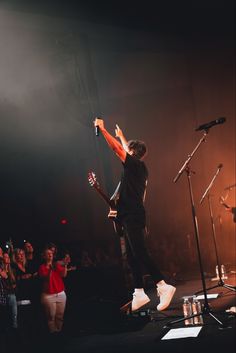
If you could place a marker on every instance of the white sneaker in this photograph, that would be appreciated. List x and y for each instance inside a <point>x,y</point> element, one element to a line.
<point>166,293</point>
<point>139,300</point>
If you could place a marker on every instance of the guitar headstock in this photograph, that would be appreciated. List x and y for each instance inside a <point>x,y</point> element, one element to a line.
<point>92,179</point>
<point>222,202</point>
<point>94,183</point>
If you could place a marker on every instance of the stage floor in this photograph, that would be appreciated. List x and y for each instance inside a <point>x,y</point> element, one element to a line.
<point>97,326</point>
<point>141,333</point>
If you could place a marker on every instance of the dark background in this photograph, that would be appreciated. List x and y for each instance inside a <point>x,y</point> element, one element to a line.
<point>158,70</point>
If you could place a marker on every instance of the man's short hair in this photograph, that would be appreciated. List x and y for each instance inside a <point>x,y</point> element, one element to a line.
<point>138,147</point>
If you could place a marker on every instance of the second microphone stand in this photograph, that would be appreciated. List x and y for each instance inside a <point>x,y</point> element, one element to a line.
<point>208,195</point>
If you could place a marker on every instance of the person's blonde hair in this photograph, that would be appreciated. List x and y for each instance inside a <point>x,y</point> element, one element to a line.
<point>16,253</point>
<point>9,270</point>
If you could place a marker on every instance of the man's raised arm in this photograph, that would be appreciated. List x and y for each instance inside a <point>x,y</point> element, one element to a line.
<point>115,145</point>
<point>119,133</point>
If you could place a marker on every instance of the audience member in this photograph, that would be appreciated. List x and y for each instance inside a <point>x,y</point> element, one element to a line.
<point>3,299</point>
<point>66,261</point>
<point>10,288</point>
<point>54,249</point>
<point>24,291</point>
<point>32,262</point>
<point>53,296</point>
<point>85,260</point>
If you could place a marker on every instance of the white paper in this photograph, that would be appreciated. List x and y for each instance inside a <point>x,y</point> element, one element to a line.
<point>209,296</point>
<point>182,332</point>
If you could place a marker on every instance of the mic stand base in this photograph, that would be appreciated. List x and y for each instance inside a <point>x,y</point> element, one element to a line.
<point>206,311</point>
<point>220,284</point>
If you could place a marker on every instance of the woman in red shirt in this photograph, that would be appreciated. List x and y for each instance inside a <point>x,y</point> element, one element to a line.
<point>53,297</point>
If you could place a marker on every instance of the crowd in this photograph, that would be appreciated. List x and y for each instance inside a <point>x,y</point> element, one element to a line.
<point>32,286</point>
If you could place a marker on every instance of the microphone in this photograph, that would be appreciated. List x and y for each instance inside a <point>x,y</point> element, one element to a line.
<point>210,124</point>
<point>97,129</point>
<point>211,183</point>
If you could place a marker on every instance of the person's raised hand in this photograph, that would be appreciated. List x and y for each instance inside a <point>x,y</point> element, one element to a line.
<point>99,122</point>
<point>118,131</point>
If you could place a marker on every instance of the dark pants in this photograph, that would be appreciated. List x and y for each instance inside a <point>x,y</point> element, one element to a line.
<point>137,254</point>
<point>12,307</point>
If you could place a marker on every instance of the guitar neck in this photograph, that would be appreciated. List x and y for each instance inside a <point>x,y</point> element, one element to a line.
<point>104,196</point>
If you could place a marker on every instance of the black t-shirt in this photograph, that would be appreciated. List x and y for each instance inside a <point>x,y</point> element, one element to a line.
<point>24,286</point>
<point>132,190</point>
<point>32,265</point>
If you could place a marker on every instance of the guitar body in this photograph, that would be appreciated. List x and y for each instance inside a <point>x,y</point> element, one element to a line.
<point>112,214</point>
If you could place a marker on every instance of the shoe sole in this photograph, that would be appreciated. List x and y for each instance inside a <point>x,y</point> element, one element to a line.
<point>166,306</point>
<point>148,300</point>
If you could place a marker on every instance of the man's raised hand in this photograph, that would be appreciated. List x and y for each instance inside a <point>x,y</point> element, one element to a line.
<point>118,131</point>
<point>99,122</point>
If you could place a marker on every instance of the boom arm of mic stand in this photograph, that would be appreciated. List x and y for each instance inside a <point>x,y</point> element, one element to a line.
<point>183,168</point>
<point>210,185</point>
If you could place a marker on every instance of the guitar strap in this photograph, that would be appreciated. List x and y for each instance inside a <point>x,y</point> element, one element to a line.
<point>116,194</point>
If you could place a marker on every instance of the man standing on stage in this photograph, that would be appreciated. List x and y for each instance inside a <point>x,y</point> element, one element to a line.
<point>131,215</point>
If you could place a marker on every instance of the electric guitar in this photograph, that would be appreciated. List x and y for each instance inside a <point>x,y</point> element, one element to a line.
<point>117,228</point>
<point>92,179</point>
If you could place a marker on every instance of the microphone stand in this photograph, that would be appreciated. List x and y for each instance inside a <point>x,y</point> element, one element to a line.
<point>208,195</point>
<point>206,307</point>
